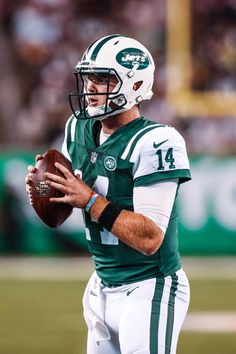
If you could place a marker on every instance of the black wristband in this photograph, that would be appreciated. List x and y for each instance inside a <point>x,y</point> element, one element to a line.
<point>109,215</point>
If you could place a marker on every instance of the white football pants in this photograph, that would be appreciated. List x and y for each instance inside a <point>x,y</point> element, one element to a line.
<point>140,318</point>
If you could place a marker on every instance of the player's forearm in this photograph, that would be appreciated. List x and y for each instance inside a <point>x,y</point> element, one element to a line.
<point>138,232</point>
<point>134,229</point>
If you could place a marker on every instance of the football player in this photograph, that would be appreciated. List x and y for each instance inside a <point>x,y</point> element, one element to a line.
<point>127,172</point>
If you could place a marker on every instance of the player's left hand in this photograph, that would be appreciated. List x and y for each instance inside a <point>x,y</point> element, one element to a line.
<point>76,192</point>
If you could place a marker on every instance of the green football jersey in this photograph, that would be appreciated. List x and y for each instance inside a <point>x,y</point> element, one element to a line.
<point>137,154</point>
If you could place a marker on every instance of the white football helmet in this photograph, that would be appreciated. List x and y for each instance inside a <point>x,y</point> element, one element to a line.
<point>118,55</point>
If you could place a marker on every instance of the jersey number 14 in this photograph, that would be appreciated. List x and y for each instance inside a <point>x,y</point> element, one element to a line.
<point>168,158</point>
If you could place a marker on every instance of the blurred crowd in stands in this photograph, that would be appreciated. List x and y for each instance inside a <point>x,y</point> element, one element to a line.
<point>42,40</point>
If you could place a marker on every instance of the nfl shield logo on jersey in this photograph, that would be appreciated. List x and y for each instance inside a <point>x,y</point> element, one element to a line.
<point>93,157</point>
<point>110,163</point>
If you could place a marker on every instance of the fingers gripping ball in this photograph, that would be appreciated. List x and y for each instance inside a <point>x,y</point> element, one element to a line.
<point>52,214</point>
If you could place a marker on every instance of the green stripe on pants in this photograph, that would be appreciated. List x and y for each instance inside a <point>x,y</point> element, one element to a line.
<point>171,313</point>
<point>155,314</point>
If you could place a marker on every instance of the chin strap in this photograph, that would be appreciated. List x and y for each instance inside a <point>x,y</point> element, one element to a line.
<point>94,111</point>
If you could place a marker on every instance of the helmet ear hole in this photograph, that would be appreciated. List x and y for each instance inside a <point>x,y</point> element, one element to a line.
<point>137,85</point>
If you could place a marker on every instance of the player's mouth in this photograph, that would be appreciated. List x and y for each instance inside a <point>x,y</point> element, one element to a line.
<point>92,102</point>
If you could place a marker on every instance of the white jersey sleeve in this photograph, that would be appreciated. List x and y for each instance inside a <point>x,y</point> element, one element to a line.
<point>159,153</point>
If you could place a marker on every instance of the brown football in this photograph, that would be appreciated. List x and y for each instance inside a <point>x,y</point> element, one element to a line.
<point>52,214</point>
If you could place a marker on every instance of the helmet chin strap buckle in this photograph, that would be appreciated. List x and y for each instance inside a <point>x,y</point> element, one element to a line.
<point>119,100</point>
<point>138,99</point>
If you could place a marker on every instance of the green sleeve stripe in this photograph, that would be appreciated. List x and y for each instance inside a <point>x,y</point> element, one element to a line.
<point>131,146</point>
<point>130,143</point>
<point>183,175</point>
<point>139,137</point>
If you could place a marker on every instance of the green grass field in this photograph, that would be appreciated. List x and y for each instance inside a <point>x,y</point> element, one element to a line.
<point>41,317</point>
<point>45,317</point>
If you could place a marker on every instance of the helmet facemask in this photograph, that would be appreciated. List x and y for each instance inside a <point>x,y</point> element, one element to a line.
<point>83,102</point>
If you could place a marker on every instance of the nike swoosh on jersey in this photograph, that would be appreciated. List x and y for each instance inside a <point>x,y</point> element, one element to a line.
<point>130,291</point>
<point>157,145</point>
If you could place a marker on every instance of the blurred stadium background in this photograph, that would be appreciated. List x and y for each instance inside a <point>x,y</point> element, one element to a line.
<point>42,271</point>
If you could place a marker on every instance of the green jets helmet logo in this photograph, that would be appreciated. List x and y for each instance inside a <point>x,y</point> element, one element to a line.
<point>110,163</point>
<point>130,56</point>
